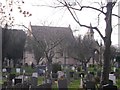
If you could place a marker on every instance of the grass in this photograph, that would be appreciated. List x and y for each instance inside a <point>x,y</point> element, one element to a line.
<point>75,84</point>
<point>54,86</point>
<point>118,83</point>
<point>40,80</point>
<point>1,82</point>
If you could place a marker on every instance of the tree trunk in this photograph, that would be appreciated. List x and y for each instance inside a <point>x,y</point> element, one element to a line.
<point>85,68</point>
<point>49,67</point>
<point>107,42</point>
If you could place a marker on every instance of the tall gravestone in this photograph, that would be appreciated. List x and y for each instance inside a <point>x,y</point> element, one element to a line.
<point>34,79</point>
<point>62,84</point>
<point>0,55</point>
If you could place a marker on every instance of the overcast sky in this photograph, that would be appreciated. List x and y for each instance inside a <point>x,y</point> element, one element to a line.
<point>60,17</point>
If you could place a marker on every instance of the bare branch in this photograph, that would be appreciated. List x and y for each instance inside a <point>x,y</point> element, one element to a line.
<point>89,7</point>
<point>115,15</point>
<point>115,25</point>
<point>81,7</point>
<point>48,6</point>
<point>84,25</point>
<point>57,42</point>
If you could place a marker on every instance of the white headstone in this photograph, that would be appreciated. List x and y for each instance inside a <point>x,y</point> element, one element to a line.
<point>35,74</point>
<point>73,68</point>
<point>114,69</point>
<point>11,63</point>
<point>8,62</point>
<point>4,70</point>
<point>81,82</point>
<point>60,73</point>
<point>23,71</point>
<point>17,70</point>
<point>113,78</point>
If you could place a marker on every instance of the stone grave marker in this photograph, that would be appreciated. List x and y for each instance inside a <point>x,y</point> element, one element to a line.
<point>60,73</point>
<point>109,86</point>
<point>75,75</point>
<point>17,80</point>
<point>112,77</point>
<point>11,63</point>
<point>35,74</point>
<point>34,81</point>
<point>89,85</point>
<point>17,70</point>
<point>4,70</point>
<point>8,69</point>
<point>62,84</point>
<point>71,74</point>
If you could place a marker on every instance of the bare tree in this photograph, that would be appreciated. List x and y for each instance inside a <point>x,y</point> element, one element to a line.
<point>44,50</point>
<point>83,51</point>
<point>108,29</point>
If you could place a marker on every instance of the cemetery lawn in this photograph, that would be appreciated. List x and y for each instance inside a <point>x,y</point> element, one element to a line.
<point>1,82</point>
<point>40,80</point>
<point>74,84</point>
<point>28,70</point>
<point>118,83</point>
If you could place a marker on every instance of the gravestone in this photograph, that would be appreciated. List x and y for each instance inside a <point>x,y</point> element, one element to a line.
<point>112,77</point>
<point>71,74</point>
<point>75,75</point>
<point>8,69</point>
<point>4,70</point>
<point>60,73</point>
<point>89,85</point>
<point>34,81</point>
<point>11,63</point>
<point>62,84</point>
<point>18,81</point>
<point>109,86</point>
<point>8,62</point>
<point>73,68</point>
<point>35,74</point>
<point>17,70</point>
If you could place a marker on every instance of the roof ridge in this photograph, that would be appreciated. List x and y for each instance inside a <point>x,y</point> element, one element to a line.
<point>48,26</point>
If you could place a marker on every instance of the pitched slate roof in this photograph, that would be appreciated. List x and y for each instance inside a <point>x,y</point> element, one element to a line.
<point>51,34</point>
